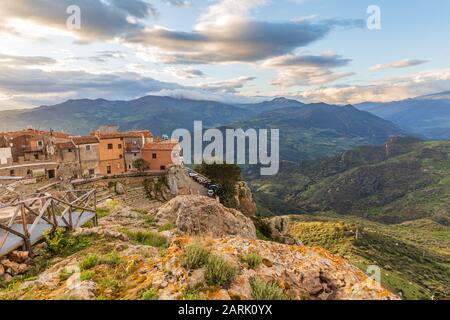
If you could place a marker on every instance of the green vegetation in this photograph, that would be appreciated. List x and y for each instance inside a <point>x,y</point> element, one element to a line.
<point>148,238</point>
<point>141,165</point>
<point>150,294</point>
<point>219,272</point>
<point>166,227</point>
<point>87,275</point>
<point>61,243</point>
<point>262,290</point>
<point>195,256</point>
<point>89,262</point>
<point>103,212</point>
<point>404,180</point>
<point>252,260</point>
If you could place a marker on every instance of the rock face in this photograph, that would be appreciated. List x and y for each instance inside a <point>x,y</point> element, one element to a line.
<point>200,215</point>
<point>279,230</point>
<point>301,273</point>
<point>178,181</point>
<point>244,199</point>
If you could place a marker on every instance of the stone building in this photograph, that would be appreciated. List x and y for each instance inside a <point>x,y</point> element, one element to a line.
<point>88,149</point>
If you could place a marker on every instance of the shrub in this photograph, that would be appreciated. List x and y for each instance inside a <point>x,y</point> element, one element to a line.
<point>141,165</point>
<point>150,220</point>
<point>103,212</point>
<point>62,243</point>
<point>150,294</point>
<point>87,275</point>
<point>253,260</point>
<point>261,290</point>
<point>219,272</point>
<point>148,238</point>
<point>166,227</point>
<point>89,262</point>
<point>195,256</point>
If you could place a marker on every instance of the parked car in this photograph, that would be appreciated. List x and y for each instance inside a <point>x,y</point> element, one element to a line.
<point>211,193</point>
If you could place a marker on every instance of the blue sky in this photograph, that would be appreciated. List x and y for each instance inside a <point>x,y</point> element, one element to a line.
<point>227,50</point>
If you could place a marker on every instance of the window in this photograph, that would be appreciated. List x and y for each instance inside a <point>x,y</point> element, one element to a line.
<point>40,143</point>
<point>108,169</point>
<point>36,156</point>
<point>12,173</point>
<point>88,148</point>
<point>110,146</point>
<point>135,154</point>
<point>91,172</point>
<point>154,156</point>
<point>120,156</point>
<point>119,146</point>
<point>70,150</point>
<point>163,168</point>
<point>129,166</point>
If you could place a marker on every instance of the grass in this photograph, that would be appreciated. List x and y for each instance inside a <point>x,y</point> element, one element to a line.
<point>150,220</point>
<point>262,290</point>
<point>219,272</point>
<point>61,243</point>
<point>167,227</point>
<point>112,259</point>
<point>89,262</point>
<point>195,256</point>
<point>87,275</point>
<point>150,294</point>
<point>252,260</point>
<point>148,238</point>
<point>103,212</point>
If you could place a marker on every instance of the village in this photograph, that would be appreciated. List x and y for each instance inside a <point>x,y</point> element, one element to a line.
<point>35,155</point>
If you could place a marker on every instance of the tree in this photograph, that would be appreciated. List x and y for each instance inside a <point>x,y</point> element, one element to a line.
<point>141,165</point>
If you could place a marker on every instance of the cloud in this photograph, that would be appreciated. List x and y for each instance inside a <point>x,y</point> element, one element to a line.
<point>33,87</point>
<point>234,41</point>
<point>327,60</point>
<point>99,19</point>
<point>307,70</point>
<point>188,73</point>
<point>226,86</point>
<point>385,90</point>
<point>11,60</point>
<point>398,64</point>
<point>226,32</point>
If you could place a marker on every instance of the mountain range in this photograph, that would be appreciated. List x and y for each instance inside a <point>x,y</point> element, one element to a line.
<point>427,116</point>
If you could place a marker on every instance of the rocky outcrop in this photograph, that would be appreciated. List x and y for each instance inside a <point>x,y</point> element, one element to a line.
<point>302,273</point>
<point>244,199</point>
<point>200,215</point>
<point>279,230</point>
<point>178,181</point>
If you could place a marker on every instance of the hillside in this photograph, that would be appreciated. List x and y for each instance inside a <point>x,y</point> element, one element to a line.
<point>428,116</point>
<point>162,115</point>
<point>406,179</point>
<point>136,255</point>
<point>317,130</point>
<point>413,256</point>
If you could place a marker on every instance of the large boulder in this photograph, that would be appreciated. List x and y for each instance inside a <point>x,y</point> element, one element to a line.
<point>244,199</point>
<point>200,215</point>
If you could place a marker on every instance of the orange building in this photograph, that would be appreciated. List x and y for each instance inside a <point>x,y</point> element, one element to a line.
<point>111,154</point>
<point>160,155</point>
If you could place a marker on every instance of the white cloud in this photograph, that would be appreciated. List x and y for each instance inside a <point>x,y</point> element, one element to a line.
<point>398,64</point>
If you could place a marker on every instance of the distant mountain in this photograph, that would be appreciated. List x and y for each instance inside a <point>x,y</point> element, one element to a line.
<point>428,116</point>
<point>275,104</point>
<point>162,115</point>
<point>317,130</point>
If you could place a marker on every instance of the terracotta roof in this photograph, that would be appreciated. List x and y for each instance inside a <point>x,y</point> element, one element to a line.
<point>18,133</point>
<point>85,140</point>
<point>129,134</point>
<point>65,145</point>
<point>160,146</point>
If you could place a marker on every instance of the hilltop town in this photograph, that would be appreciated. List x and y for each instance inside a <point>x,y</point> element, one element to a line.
<point>39,155</point>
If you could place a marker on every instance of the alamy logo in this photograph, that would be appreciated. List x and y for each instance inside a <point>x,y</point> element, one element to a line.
<point>73,22</point>
<point>374,20</point>
<point>232,146</point>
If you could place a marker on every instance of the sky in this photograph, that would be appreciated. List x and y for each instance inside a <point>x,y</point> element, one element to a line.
<point>334,51</point>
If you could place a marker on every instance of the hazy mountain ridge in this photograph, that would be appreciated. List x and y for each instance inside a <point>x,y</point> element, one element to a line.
<point>428,116</point>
